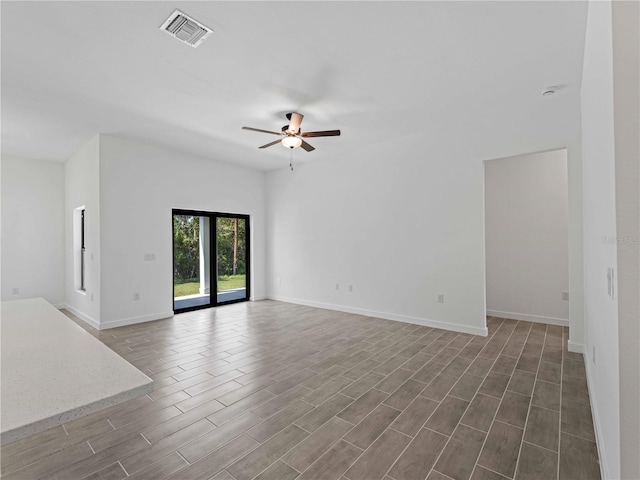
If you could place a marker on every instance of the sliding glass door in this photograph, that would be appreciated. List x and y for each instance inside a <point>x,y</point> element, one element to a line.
<point>209,246</point>
<point>191,261</point>
<point>231,256</point>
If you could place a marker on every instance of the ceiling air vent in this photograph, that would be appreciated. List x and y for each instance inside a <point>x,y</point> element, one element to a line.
<point>185,28</point>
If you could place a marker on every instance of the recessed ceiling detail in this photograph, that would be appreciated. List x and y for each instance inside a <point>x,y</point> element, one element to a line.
<point>185,28</point>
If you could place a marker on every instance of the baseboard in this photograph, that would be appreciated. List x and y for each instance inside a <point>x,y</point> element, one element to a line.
<point>529,318</point>
<point>257,298</point>
<point>575,347</point>
<point>81,316</point>
<point>600,444</point>
<point>387,316</point>
<point>134,320</point>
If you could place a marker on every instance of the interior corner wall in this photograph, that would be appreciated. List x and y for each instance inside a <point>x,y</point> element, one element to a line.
<point>401,219</point>
<point>576,244</point>
<point>32,229</point>
<point>526,235</point>
<point>82,189</point>
<point>626,87</point>
<point>600,245</point>
<point>139,186</point>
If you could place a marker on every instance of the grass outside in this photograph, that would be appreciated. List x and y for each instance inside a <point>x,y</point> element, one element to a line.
<point>191,286</point>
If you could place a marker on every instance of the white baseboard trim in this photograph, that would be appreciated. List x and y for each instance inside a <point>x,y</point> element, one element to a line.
<point>387,316</point>
<point>529,318</point>
<point>257,298</point>
<point>134,320</point>
<point>575,347</point>
<point>81,316</point>
<point>600,444</point>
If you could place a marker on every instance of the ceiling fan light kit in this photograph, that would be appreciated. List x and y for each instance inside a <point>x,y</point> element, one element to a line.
<point>291,142</point>
<point>292,136</point>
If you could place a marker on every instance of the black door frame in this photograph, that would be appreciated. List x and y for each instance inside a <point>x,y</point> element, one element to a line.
<point>213,256</point>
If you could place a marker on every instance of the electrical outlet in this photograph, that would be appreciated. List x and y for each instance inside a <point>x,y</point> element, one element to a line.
<point>92,297</point>
<point>279,281</point>
<point>337,286</point>
<point>441,298</point>
<point>565,296</point>
<point>350,288</point>
<point>15,291</point>
<point>136,296</point>
<point>593,355</point>
<point>149,257</point>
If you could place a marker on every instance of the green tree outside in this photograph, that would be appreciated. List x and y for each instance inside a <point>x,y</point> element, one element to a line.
<point>231,246</point>
<point>186,247</point>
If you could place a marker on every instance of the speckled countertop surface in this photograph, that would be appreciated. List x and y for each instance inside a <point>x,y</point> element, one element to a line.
<point>53,371</point>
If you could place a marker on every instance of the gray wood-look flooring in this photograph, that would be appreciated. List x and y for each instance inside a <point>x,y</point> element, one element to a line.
<point>270,390</point>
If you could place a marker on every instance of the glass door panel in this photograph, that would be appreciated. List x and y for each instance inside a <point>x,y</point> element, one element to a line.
<point>231,258</point>
<point>191,261</point>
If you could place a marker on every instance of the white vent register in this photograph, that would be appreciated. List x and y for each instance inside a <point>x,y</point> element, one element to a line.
<point>185,29</point>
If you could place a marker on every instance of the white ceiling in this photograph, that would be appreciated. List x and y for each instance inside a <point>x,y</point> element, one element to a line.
<point>375,70</point>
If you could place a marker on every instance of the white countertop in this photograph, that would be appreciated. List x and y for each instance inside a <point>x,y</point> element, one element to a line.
<point>53,371</point>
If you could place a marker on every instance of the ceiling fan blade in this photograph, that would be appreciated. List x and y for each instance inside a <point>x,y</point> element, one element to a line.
<point>269,144</point>
<point>295,121</point>
<point>326,133</point>
<point>260,130</point>
<point>306,146</point>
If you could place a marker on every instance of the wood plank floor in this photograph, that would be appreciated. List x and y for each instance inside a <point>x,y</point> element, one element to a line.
<point>270,390</point>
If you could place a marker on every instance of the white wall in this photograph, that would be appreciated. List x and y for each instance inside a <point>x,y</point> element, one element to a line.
<point>82,188</point>
<point>626,89</point>
<point>600,251</point>
<point>526,235</point>
<point>368,222</point>
<point>139,185</point>
<point>402,220</point>
<point>32,229</point>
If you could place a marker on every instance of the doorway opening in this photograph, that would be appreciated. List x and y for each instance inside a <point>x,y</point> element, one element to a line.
<point>211,259</point>
<point>527,237</point>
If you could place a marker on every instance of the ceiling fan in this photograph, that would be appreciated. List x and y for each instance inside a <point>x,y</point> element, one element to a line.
<point>291,135</point>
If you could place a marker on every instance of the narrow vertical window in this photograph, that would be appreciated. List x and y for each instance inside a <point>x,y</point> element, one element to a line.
<point>79,250</point>
<point>82,251</point>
